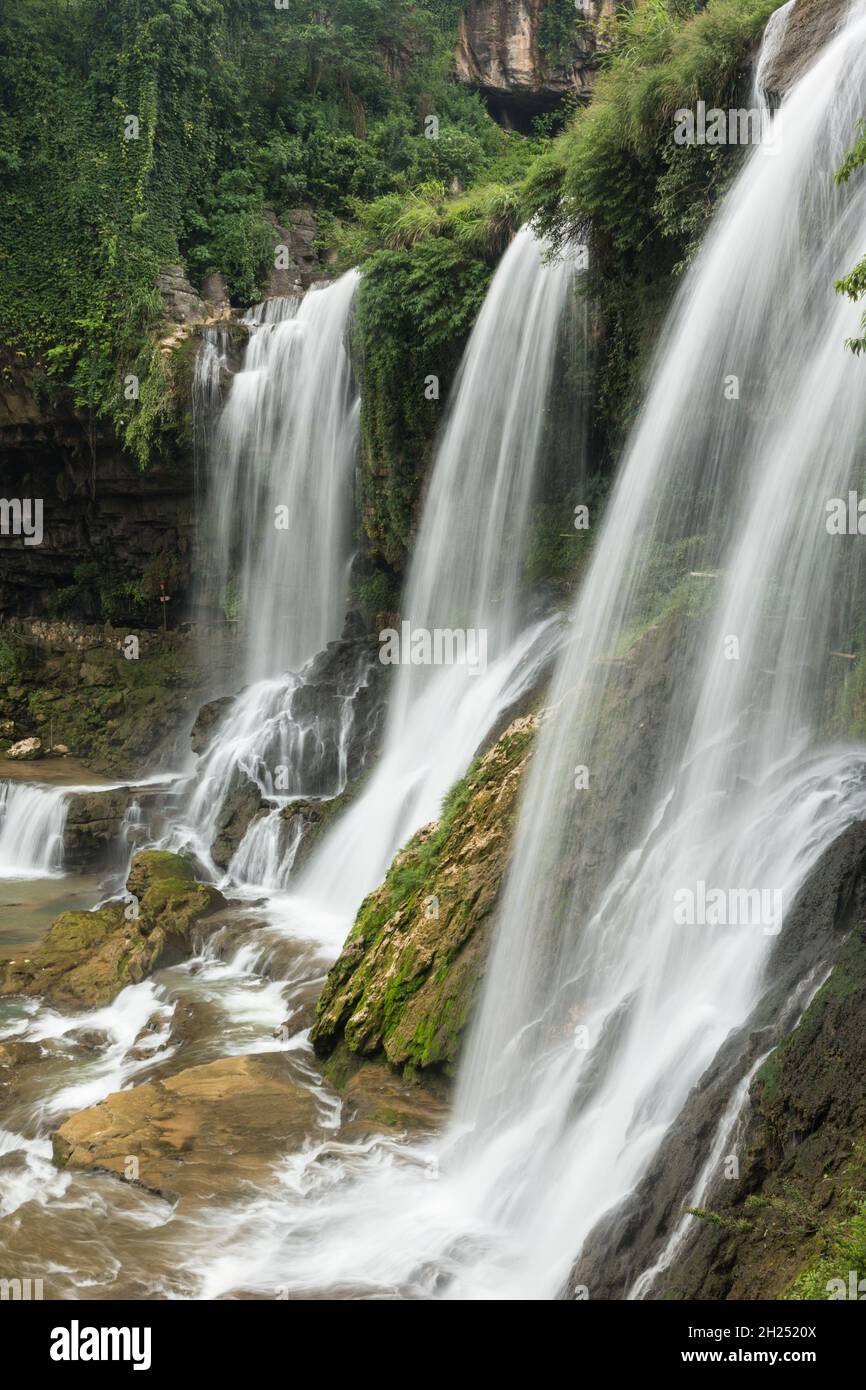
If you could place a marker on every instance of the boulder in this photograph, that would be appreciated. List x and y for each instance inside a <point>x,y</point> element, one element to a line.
<point>202,1133</point>
<point>208,720</point>
<point>26,750</point>
<point>428,927</point>
<point>92,828</point>
<point>811,24</point>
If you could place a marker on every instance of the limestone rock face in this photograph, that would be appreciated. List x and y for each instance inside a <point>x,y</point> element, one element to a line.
<point>201,1133</point>
<point>183,304</point>
<point>295,243</point>
<point>504,51</point>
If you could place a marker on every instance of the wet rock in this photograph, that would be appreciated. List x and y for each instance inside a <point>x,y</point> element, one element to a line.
<point>26,750</point>
<point>375,1098</point>
<point>87,958</point>
<point>92,830</point>
<point>154,866</point>
<point>811,25</point>
<point>242,804</point>
<point>202,1133</point>
<point>90,1039</point>
<point>808,1113</point>
<point>208,721</point>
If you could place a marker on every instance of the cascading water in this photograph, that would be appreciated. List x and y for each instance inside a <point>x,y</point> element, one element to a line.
<point>697,695</point>
<point>601,1009</point>
<point>281,479</point>
<point>31,830</point>
<point>751,425</point>
<point>278,546</point>
<point>465,575</point>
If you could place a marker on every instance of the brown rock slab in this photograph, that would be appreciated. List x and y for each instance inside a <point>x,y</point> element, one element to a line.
<point>200,1134</point>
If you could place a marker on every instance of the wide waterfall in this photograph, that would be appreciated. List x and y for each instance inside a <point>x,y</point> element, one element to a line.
<point>602,1006</point>
<point>279,510</point>
<point>466,574</point>
<point>208,1085</point>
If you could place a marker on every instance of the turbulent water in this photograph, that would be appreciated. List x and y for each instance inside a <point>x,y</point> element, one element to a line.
<point>603,1003</point>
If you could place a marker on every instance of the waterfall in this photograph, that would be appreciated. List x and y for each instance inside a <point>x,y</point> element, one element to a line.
<point>277,543</point>
<point>774,36</point>
<point>31,830</point>
<point>282,459</point>
<point>465,575</point>
<point>602,1005</point>
<point>210,364</point>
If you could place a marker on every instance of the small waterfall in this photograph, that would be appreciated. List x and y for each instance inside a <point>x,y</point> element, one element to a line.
<point>31,830</point>
<point>207,395</point>
<point>774,37</point>
<point>278,523</point>
<point>465,575</point>
<point>602,1008</point>
<point>284,738</point>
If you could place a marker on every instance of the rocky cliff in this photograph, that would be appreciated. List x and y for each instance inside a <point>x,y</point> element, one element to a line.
<point>526,56</point>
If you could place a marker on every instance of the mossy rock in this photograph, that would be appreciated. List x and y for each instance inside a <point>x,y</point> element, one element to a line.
<point>87,958</point>
<point>403,987</point>
<point>153,865</point>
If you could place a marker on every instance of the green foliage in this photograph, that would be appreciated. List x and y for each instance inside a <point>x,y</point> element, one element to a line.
<point>854,283</point>
<point>377,593</point>
<point>843,1247</point>
<point>415,308</point>
<point>241,107</point>
<point>231,601</point>
<point>96,592</point>
<point>13,658</point>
